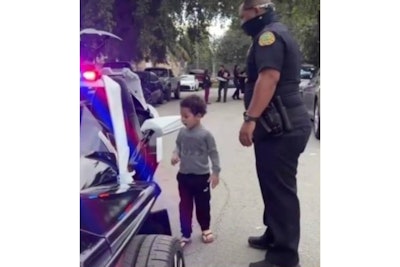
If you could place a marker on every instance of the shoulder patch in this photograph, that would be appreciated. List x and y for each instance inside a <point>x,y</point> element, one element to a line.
<point>267,38</point>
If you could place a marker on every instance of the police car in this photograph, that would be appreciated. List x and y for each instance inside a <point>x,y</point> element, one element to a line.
<point>120,149</point>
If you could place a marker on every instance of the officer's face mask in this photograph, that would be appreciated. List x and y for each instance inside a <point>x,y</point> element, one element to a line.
<point>253,26</point>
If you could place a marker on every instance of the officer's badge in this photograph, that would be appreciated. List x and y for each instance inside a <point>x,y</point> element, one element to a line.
<point>267,38</point>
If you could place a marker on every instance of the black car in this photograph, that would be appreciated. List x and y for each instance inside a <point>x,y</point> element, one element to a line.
<point>170,83</point>
<point>152,87</point>
<point>118,65</point>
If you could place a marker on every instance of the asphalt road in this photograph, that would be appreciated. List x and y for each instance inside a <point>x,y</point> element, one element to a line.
<point>236,203</point>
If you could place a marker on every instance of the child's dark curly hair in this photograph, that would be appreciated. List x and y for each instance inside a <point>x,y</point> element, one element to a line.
<point>196,105</point>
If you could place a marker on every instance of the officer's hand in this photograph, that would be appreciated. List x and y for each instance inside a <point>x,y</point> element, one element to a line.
<point>246,133</point>
<point>174,159</point>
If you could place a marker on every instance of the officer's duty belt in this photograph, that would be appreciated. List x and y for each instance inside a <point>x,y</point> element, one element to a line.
<point>291,100</point>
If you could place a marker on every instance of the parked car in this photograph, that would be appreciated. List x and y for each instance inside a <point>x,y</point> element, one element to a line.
<point>168,80</point>
<point>152,87</point>
<point>311,96</point>
<point>307,72</point>
<point>199,73</point>
<point>188,82</point>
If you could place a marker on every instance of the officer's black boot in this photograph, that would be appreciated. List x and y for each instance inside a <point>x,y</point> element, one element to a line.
<point>261,242</point>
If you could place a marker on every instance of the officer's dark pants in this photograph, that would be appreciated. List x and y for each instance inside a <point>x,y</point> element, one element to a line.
<point>224,86</point>
<point>276,162</point>
<point>194,188</point>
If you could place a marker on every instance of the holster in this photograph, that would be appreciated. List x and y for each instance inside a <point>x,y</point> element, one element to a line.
<point>275,119</point>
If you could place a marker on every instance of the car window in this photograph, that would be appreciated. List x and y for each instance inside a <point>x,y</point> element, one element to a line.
<point>305,74</point>
<point>153,77</point>
<point>187,77</point>
<point>159,72</point>
<point>315,79</point>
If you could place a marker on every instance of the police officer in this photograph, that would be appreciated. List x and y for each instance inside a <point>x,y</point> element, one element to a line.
<point>278,129</point>
<point>223,77</point>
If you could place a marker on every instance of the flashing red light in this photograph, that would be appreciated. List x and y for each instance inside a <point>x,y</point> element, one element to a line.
<point>90,75</point>
<point>128,207</point>
<point>103,195</point>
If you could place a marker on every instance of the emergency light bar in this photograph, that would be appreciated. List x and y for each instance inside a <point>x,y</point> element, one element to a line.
<point>90,73</point>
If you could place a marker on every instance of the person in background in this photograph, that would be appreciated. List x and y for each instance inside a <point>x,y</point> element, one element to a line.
<point>207,85</point>
<point>236,95</point>
<point>223,77</point>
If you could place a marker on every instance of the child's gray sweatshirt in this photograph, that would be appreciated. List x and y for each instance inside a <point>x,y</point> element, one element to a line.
<point>195,147</point>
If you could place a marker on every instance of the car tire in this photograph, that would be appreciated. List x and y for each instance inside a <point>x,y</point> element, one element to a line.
<point>154,251</point>
<point>177,93</point>
<point>161,99</point>
<point>317,120</point>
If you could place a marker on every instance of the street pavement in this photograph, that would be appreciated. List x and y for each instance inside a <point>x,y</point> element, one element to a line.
<point>236,203</point>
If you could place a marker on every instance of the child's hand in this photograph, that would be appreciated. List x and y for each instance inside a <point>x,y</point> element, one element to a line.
<point>175,159</point>
<point>214,180</point>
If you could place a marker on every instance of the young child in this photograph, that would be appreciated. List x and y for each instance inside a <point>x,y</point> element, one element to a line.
<point>194,147</point>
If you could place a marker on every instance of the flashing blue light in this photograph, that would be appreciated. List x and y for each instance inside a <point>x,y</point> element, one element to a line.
<point>120,217</point>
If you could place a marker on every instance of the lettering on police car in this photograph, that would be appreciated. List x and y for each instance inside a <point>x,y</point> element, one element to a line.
<point>267,38</point>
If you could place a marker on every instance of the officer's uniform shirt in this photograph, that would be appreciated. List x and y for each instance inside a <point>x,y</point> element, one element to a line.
<point>275,48</point>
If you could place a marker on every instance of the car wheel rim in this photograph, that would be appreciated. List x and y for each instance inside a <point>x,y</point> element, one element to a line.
<point>316,118</point>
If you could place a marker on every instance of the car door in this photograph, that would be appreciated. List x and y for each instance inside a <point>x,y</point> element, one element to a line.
<point>309,93</point>
<point>154,83</point>
<point>173,80</point>
<point>145,82</point>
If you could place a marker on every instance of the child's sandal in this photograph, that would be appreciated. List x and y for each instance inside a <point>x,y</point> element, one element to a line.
<point>207,237</point>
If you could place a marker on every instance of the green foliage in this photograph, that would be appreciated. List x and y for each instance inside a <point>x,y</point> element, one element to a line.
<point>97,13</point>
<point>233,47</point>
<point>301,16</point>
<point>152,28</point>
